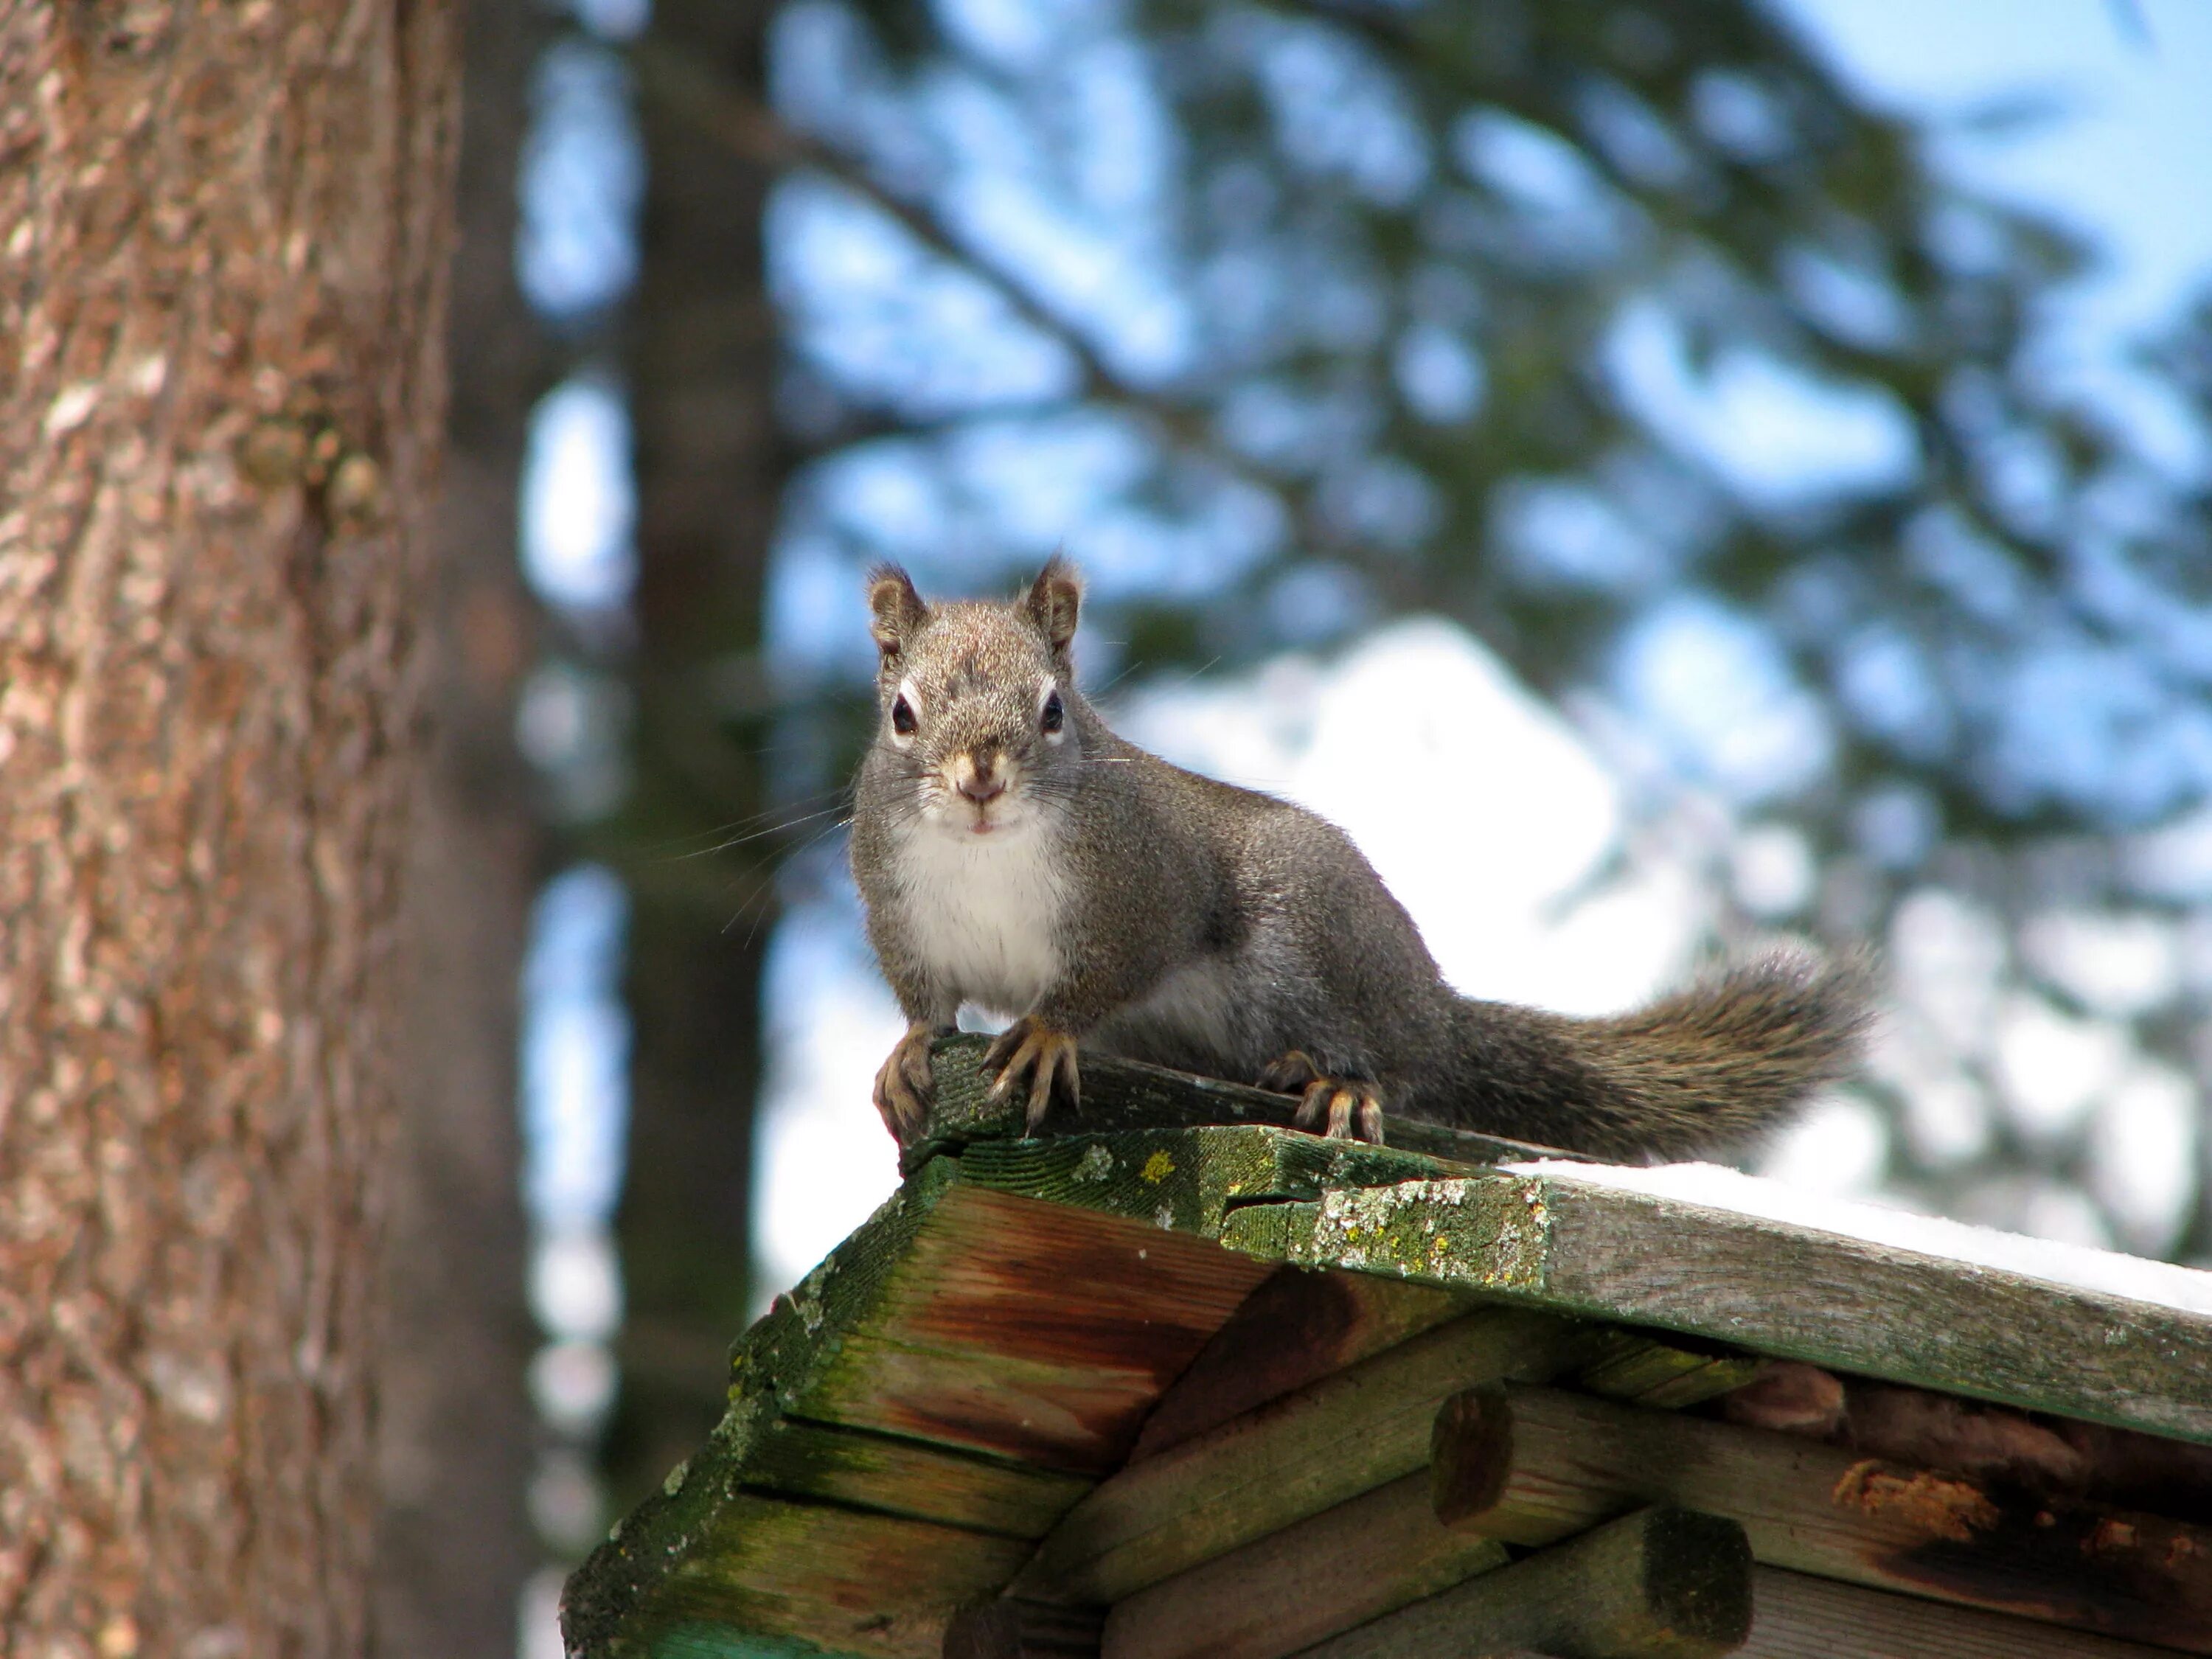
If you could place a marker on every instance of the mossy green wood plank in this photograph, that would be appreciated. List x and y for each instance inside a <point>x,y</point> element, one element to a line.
<point>911,1478</point>
<point>1049,1281</point>
<point>781,1353</point>
<point>828,1554</point>
<point>1549,1242</point>
<point>606,1606</point>
<point>744,1620</point>
<point>1026,1329</point>
<point>705,1553</point>
<point>1293,1457</point>
<point>997,1323</point>
<point>1070,1419</point>
<point>710,1559</point>
<point>1121,1094</point>
<point>1185,1180</point>
<point>703,1641</point>
<point>959,1334</point>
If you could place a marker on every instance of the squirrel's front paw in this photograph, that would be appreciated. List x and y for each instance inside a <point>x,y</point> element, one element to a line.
<point>904,1086</point>
<point>1341,1108</point>
<point>1030,1056</point>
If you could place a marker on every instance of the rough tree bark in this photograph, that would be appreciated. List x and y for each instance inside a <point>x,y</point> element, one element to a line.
<point>225,235</point>
<point>709,466</point>
<point>454,1543</point>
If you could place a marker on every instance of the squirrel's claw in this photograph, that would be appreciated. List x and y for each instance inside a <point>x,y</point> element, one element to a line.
<point>905,1085</point>
<point>1351,1111</point>
<point>1293,1074</point>
<point>1031,1052</point>
<point>1343,1107</point>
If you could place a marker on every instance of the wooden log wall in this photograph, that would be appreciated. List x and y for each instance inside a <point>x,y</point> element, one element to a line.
<point>1313,1517</point>
<point>1531,1466</point>
<point>1661,1583</point>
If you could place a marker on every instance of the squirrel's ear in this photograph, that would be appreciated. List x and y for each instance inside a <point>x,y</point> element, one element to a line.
<point>1053,602</point>
<point>894,610</point>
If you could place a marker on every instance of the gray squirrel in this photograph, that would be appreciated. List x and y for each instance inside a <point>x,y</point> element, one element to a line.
<point>1013,853</point>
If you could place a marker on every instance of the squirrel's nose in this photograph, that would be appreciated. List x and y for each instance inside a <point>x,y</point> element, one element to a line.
<point>979,779</point>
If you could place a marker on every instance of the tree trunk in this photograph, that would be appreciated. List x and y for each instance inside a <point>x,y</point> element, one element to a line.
<point>225,231</point>
<point>709,470</point>
<point>454,1543</point>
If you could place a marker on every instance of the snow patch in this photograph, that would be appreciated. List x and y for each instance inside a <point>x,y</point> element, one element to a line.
<point>2158,1283</point>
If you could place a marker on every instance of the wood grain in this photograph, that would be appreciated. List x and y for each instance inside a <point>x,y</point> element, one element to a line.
<point>1661,1583</point>
<point>1795,1616</point>
<point>1315,1577</point>
<point>1630,1365</point>
<point>1011,1629</point>
<point>1550,1241</point>
<point>864,1562</point>
<point>1008,1325</point>
<point>910,1478</point>
<point>1375,1551</point>
<point>1290,1458</point>
<point>1297,1327</point>
<point>1531,1466</point>
<point>906,1423</point>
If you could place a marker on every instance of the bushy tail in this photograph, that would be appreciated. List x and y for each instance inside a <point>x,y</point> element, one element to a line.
<point>1701,1071</point>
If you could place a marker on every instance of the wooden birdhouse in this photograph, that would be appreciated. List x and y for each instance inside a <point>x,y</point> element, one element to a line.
<point>1181,1382</point>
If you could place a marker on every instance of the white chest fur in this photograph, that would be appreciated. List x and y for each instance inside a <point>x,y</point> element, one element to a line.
<point>984,912</point>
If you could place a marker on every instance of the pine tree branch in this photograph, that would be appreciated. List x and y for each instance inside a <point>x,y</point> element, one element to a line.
<point>752,132</point>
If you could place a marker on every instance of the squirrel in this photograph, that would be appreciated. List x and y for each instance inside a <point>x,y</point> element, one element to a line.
<point>1011,851</point>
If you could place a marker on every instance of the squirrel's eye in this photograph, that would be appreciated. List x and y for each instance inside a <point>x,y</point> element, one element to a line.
<point>902,720</point>
<point>1053,716</point>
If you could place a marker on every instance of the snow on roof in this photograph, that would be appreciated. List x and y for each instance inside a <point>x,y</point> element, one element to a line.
<point>2161,1283</point>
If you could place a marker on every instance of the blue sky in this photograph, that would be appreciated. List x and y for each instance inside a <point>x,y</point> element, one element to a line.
<point>2126,154</point>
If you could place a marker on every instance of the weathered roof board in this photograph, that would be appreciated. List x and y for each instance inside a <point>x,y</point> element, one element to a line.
<point>951,1386</point>
<point>1118,1096</point>
<point>1792,1292</point>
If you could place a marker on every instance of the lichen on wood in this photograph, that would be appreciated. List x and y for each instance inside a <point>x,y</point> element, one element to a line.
<point>1548,1241</point>
<point>1184,1180</point>
<point>909,1418</point>
<point>1123,1094</point>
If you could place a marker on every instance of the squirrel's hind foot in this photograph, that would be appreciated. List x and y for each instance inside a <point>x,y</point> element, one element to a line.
<point>1031,1055</point>
<point>905,1085</point>
<point>1351,1111</point>
<point>1343,1109</point>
